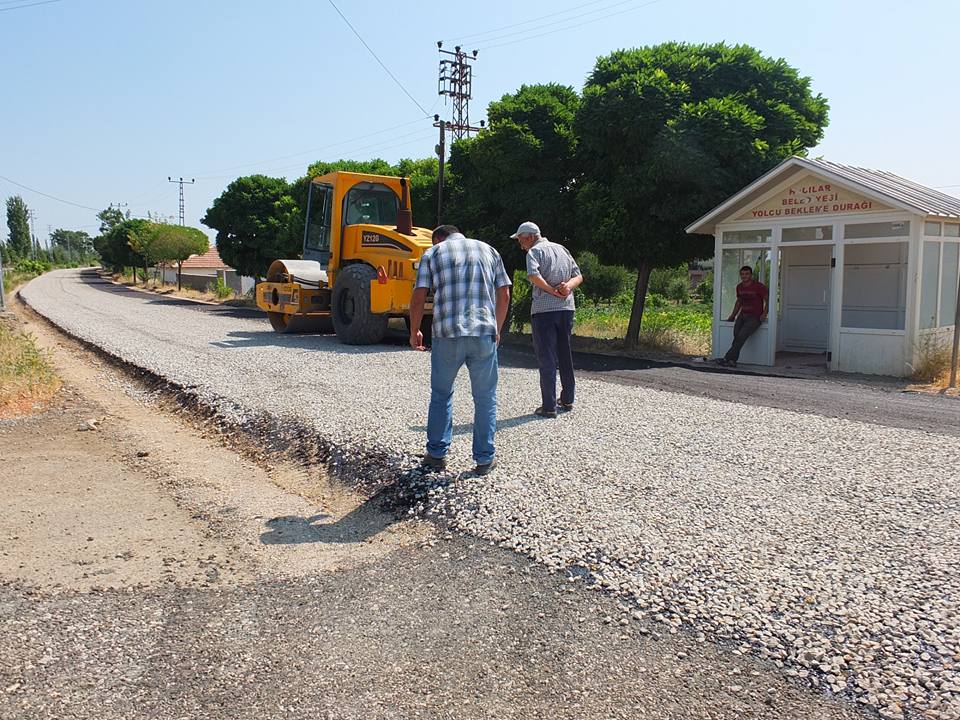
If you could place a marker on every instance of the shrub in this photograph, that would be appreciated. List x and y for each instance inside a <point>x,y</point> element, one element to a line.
<point>33,267</point>
<point>521,302</point>
<point>705,289</point>
<point>220,288</point>
<point>660,279</point>
<point>655,300</point>
<point>601,283</point>
<point>933,365</point>
<point>678,290</point>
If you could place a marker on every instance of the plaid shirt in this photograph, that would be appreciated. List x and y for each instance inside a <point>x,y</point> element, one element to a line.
<point>464,275</point>
<point>555,265</point>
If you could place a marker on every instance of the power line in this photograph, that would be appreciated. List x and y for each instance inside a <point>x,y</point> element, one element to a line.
<point>46,195</point>
<point>33,4</point>
<point>525,32</point>
<point>307,152</point>
<point>420,135</point>
<point>472,38</point>
<point>375,57</point>
<point>569,27</point>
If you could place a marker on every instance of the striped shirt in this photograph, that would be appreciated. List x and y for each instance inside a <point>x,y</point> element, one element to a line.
<point>464,275</point>
<point>555,265</point>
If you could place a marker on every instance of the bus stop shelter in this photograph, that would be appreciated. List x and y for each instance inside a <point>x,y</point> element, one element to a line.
<point>862,266</point>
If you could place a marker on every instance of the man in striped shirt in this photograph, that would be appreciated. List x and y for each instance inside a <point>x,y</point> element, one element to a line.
<point>554,274</point>
<point>471,294</point>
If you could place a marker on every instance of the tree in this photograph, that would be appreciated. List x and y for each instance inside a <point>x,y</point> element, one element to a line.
<point>669,131</point>
<point>524,167</point>
<point>72,245</point>
<point>175,243</point>
<point>114,245</point>
<point>143,241</point>
<point>19,243</point>
<point>252,218</point>
<point>109,218</point>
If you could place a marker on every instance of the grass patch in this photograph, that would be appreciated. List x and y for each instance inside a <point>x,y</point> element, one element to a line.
<point>27,378</point>
<point>933,367</point>
<point>682,329</point>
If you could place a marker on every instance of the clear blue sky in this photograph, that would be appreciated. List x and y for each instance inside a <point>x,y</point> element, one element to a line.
<point>103,99</point>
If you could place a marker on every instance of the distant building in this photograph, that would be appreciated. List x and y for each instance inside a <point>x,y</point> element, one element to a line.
<point>201,271</point>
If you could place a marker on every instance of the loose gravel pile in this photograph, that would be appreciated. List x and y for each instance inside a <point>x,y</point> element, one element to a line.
<point>829,547</point>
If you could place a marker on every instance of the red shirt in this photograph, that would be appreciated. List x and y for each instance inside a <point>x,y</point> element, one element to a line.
<point>752,297</point>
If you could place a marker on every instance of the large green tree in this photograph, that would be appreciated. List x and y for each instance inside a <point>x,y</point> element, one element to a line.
<point>19,242</point>
<point>111,217</point>
<point>114,245</point>
<point>252,218</point>
<point>669,131</point>
<point>524,167</point>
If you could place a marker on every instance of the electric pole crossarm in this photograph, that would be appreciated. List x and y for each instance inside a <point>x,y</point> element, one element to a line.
<point>181,182</point>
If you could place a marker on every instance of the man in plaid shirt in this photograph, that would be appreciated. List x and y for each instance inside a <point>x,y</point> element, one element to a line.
<point>471,294</point>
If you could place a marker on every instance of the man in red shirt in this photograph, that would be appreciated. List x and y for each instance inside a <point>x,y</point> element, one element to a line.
<point>749,312</point>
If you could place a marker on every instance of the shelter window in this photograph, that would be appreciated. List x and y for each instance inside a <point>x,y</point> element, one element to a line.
<point>744,237</point>
<point>929,284</point>
<point>931,229</point>
<point>370,203</point>
<point>857,231</point>
<point>951,230</point>
<point>807,234</point>
<point>950,257</point>
<point>730,264</point>
<point>875,286</point>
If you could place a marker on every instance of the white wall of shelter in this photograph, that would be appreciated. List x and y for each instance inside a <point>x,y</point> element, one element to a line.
<point>862,266</point>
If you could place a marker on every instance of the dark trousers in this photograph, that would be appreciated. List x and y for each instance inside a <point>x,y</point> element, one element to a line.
<point>743,328</point>
<point>551,341</point>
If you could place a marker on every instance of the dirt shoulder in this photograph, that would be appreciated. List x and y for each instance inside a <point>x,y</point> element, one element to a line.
<point>149,569</point>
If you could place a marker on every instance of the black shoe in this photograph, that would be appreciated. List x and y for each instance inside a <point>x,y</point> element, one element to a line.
<point>430,462</point>
<point>564,407</point>
<point>486,468</point>
<point>731,363</point>
<point>722,362</point>
<point>545,413</point>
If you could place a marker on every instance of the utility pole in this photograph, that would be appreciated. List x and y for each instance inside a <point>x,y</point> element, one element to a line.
<point>181,182</point>
<point>3,294</point>
<point>456,82</point>
<point>955,355</point>
<point>33,233</point>
<point>441,150</point>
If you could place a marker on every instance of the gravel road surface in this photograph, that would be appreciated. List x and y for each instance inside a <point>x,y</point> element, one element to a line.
<point>827,546</point>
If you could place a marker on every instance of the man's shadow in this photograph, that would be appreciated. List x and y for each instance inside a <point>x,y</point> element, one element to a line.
<point>362,523</point>
<point>467,428</point>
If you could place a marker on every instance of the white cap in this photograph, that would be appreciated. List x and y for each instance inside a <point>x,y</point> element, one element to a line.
<point>527,228</point>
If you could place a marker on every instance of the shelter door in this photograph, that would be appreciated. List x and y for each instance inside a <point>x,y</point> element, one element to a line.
<point>805,298</point>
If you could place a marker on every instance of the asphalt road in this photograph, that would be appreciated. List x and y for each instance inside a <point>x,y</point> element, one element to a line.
<point>877,401</point>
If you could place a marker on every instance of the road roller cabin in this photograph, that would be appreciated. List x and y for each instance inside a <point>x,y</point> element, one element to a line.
<point>360,259</point>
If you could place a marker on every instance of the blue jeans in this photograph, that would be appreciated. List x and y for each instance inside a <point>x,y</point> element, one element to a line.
<point>551,341</point>
<point>446,358</point>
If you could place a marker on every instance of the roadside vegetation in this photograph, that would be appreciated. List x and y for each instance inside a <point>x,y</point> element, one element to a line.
<point>933,369</point>
<point>216,291</point>
<point>27,378</point>
<point>677,320</point>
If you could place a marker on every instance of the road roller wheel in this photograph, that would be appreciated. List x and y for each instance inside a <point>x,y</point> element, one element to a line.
<point>352,320</point>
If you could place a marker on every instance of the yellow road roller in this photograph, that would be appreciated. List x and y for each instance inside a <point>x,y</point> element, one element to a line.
<point>360,258</point>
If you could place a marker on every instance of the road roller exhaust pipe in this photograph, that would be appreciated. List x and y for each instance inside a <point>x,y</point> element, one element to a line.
<point>404,214</point>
